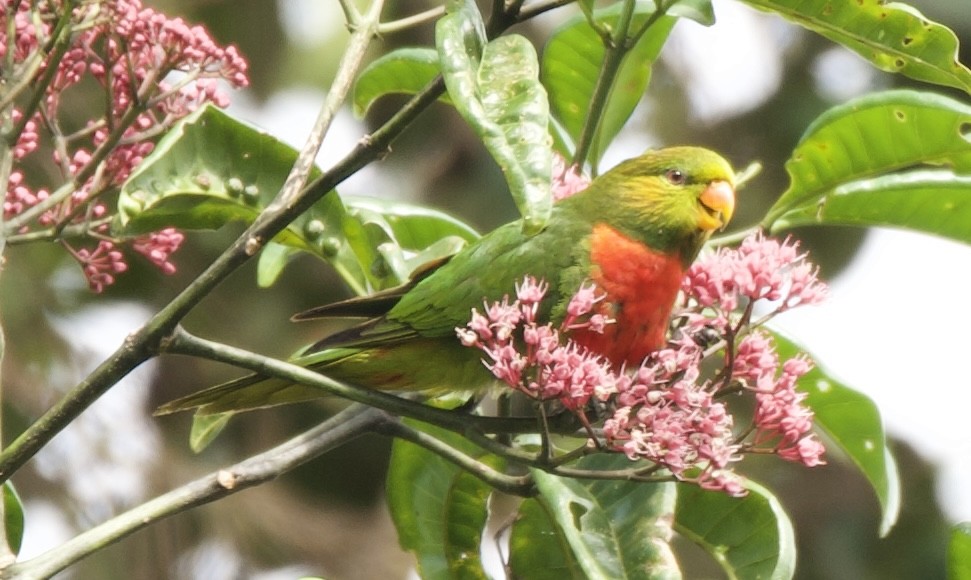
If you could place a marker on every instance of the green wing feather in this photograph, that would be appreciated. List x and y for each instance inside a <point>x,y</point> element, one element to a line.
<point>413,346</point>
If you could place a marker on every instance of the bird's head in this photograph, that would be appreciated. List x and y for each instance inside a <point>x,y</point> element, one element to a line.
<point>672,199</point>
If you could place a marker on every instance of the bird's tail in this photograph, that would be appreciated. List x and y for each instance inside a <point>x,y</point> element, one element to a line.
<point>243,394</point>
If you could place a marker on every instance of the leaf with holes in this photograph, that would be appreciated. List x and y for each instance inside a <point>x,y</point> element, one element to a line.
<point>749,537</point>
<point>893,36</point>
<point>495,87</point>
<point>597,528</point>
<point>898,158</point>
<point>853,422</point>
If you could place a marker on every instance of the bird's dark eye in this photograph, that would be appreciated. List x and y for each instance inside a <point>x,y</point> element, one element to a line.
<point>674,176</point>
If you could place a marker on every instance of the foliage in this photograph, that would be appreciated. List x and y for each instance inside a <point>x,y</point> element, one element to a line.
<point>899,158</point>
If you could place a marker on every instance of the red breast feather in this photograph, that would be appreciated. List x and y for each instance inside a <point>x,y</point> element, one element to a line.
<point>641,286</point>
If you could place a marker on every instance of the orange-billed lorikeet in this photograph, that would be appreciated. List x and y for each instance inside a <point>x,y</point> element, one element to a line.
<point>633,232</point>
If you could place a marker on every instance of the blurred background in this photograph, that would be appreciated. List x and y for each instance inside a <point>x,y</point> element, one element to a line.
<point>748,87</point>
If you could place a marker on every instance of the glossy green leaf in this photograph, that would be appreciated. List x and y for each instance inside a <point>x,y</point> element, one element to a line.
<point>852,421</point>
<point>205,428</point>
<point>212,169</point>
<point>439,510</point>
<point>604,528</point>
<point>894,36</point>
<point>936,202</point>
<point>13,518</point>
<point>959,553</point>
<point>572,61</point>
<point>749,537</point>
<point>495,87</point>
<point>899,158</point>
<point>538,548</point>
<point>271,262</point>
<point>413,227</point>
<point>406,70</point>
<point>403,236</point>
<point>700,11</point>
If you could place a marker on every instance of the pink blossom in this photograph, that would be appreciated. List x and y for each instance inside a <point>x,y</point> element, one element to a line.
<point>673,421</point>
<point>755,359</point>
<point>723,480</point>
<point>566,180</point>
<point>101,265</point>
<point>19,197</point>
<point>808,451</point>
<point>158,246</point>
<point>28,140</point>
<point>580,305</point>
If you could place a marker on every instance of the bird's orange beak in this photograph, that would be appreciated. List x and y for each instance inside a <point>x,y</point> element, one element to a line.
<point>718,200</point>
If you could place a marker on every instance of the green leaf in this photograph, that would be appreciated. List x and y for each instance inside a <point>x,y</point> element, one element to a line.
<point>893,36</point>
<point>852,421</point>
<point>749,537</point>
<point>538,548</point>
<point>413,227</point>
<point>404,237</point>
<point>861,164</point>
<point>438,509</point>
<point>601,528</point>
<point>272,260</point>
<point>959,553</point>
<point>700,11</point>
<point>572,60</point>
<point>406,70</point>
<point>13,518</point>
<point>205,428</point>
<point>211,169</point>
<point>495,87</point>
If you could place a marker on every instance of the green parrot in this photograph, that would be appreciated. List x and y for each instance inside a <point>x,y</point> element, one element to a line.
<point>633,233</point>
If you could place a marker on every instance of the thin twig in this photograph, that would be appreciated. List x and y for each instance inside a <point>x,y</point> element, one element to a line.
<point>515,485</point>
<point>410,21</point>
<point>615,48</point>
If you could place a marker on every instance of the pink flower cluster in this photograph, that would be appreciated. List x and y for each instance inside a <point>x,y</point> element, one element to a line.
<point>670,411</point>
<point>759,269</point>
<point>101,264</point>
<point>783,422</point>
<point>531,358</point>
<point>153,70</point>
<point>665,415</point>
